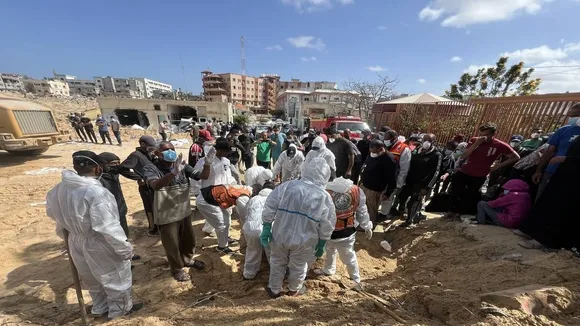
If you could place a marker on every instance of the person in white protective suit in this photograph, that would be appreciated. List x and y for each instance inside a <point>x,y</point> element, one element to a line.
<point>351,210</point>
<point>220,173</point>
<point>214,169</point>
<point>304,217</point>
<point>256,184</point>
<point>98,245</point>
<point>319,150</point>
<point>289,164</point>
<point>252,228</point>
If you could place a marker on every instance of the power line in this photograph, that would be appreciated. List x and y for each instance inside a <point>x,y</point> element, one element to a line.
<point>549,67</point>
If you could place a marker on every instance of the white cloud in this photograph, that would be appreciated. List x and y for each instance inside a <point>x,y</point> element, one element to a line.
<point>315,5</point>
<point>572,47</point>
<point>461,13</point>
<point>276,47</point>
<point>535,55</point>
<point>456,59</point>
<point>376,68</point>
<point>309,42</point>
<point>421,81</point>
<point>307,59</point>
<point>382,28</point>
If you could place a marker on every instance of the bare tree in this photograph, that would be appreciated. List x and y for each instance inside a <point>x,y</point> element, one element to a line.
<point>364,94</point>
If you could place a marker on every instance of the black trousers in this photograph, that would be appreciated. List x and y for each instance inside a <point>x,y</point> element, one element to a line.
<point>411,200</point>
<point>123,220</point>
<point>147,199</point>
<point>81,133</point>
<point>163,135</point>
<point>105,134</point>
<point>465,193</point>
<point>91,134</point>
<point>249,161</point>
<point>356,172</point>
<point>265,165</point>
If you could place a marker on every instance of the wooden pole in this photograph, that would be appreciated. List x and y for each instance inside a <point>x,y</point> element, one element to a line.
<point>77,282</point>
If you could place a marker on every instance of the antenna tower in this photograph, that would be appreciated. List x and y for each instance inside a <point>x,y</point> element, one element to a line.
<point>243,57</point>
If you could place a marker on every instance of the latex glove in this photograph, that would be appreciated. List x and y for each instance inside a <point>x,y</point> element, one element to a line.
<point>319,249</point>
<point>369,234</point>
<point>179,165</point>
<point>210,156</point>
<point>266,235</point>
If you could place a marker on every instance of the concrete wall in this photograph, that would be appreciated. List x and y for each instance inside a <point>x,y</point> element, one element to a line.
<point>160,109</point>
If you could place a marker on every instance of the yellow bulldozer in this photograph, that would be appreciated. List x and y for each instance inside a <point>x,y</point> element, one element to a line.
<point>27,128</point>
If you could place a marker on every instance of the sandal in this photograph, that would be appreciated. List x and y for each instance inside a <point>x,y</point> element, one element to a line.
<point>181,276</point>
<point>531,244</point>
<point>197,264</point>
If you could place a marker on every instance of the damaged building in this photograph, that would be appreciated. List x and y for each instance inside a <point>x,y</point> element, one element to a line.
<point>150,112</point>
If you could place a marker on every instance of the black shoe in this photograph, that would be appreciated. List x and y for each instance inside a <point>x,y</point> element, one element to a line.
<point>272,294</point>
<point>225,250</point>
<point>153,233</point>
<point>136,257</point>
<point>232,242</point>
<point>136,307</point>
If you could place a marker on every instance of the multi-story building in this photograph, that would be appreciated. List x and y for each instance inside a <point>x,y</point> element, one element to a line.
<point>11,82</point>
<point>78,86</point>
<point>46,87</point>
<point>120,87</point>
<point>254,92</point>
<point>296,84</point>
<point>152,85</point>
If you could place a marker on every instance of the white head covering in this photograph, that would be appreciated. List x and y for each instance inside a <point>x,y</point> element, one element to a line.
<point>318,172</point>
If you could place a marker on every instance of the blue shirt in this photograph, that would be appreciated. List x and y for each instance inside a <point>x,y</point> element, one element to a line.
<point>280,139</point>
<point>103,127</point>
<point>562,139</point>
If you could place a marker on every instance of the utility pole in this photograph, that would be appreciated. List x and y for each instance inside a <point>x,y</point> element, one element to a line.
<point>243,57</point>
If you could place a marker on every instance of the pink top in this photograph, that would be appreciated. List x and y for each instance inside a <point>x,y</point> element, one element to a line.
<point>515,205</point>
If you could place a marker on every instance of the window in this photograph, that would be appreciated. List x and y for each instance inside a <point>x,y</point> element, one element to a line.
<point>306,99</point>
<point>292,87</point>
<point>157,107</point>
<point>324,98</point>
<point>336,99</point>
<point>233,79</point>
<point>281,86</point>
<point>234,87</point>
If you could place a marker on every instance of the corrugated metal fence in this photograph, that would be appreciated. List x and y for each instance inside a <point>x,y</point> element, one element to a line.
<point>513,115</point>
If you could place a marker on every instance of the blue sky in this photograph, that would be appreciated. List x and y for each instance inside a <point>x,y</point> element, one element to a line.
<point>414,40</point>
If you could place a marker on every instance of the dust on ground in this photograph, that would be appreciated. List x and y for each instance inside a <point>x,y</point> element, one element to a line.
<point>434,275</point>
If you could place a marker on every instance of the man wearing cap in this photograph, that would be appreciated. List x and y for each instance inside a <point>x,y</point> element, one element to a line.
<point>307,142</point>
<point>84,209</point>
<point>142,156</point>
<point>169,178</point>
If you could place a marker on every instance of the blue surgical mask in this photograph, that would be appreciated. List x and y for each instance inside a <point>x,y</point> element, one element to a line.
<point>169,155</point>
<point>574,122</point>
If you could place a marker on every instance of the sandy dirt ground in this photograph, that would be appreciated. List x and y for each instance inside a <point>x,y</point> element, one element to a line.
<point>434,275</point>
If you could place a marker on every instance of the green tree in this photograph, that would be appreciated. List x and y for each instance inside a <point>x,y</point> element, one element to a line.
<point>241,119</point>
<point>498,81</point>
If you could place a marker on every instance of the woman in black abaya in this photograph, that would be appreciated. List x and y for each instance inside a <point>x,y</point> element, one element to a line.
<point>554,221</point>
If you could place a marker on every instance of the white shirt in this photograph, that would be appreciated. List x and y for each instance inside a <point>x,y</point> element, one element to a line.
<point>219,174</point>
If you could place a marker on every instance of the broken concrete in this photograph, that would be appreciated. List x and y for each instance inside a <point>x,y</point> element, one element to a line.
<point>533,299</point>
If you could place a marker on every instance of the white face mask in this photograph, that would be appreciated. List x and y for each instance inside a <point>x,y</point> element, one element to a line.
<point>331,140</point>
<point>535,135</point>
<point>514,144</point>
<point>426,144</point>
<point>374,155</point>
<point>505,191</point>
<point>448,152</point>
<point>388,142</point>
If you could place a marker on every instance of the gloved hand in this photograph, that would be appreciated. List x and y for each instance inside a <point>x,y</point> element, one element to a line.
<point>319,249</point>
<point>179,165</point>
<point>210,156</point>
<point>266,235</point>
<point>369,234</point>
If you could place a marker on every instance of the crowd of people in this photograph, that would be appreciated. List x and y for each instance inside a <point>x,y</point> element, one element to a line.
<point>306,194</point>
<point>85,129</point>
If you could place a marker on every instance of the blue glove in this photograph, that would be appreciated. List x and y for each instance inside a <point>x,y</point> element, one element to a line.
<point>266,235</point>
<point>319,249</point>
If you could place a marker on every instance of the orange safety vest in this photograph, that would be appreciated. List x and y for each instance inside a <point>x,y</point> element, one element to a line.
<point>346,205</point>
<point>226,196</point>
<point>397,150</point>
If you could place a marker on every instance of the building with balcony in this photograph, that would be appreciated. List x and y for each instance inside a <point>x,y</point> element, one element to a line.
<point>296,84</point>
<point>317,103</point>
<point>46,87</point>
<point>77,86</point>
<point>120,87</point>
<point>152,85</point>
<point>11,82</point>
<point>256,93</point>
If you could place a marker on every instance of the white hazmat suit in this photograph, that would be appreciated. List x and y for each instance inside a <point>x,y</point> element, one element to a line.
<point>98,245</point>
<point>322,152</point>
<point>258,180</point>
<point>252,228</point>
<point>304,214</point>
<point>290,167</point>
<point>345,246</point>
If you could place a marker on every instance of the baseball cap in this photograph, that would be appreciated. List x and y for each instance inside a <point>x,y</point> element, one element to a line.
<point>109,157</point>
<point>517,138</point>
<point>148,140</point>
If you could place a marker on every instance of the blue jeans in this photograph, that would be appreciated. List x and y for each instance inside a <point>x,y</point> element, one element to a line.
<point>487,214</point>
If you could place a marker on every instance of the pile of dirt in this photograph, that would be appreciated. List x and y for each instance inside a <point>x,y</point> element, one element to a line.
<point>434,275</point>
